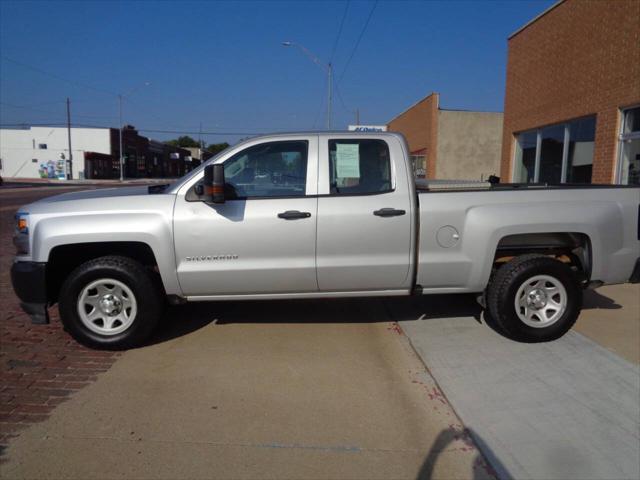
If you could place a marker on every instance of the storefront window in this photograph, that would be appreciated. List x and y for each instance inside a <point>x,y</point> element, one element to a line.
<point>582,135</point>
<point>630,148</point>
<point>632,120</point>
<point>419,164</point>
<point>560,153</point>
<point>526,157</point>
<point>551,146</point>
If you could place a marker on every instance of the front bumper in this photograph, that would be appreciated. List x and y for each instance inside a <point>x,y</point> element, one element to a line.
<point>635,275</point>
<point>29,283</point>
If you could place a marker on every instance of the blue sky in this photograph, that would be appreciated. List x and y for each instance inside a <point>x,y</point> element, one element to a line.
<point>222,64</point>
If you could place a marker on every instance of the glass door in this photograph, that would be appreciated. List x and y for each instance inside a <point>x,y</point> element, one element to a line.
<point>629,165</point>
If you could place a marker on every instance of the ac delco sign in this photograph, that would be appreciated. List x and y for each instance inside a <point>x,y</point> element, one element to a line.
<point>367,128</point>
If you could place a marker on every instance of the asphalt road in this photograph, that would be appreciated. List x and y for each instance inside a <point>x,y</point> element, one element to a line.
<point>296,389</point>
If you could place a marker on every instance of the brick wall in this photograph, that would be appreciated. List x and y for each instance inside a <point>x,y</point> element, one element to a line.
<point>580,58</point>
<point>419,124</point>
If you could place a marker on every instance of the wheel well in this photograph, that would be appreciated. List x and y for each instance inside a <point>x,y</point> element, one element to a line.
<point>64,259</point>
<point>572,248</point>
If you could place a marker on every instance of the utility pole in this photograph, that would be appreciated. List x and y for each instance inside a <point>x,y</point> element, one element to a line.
<point>69,169</point>
<point>121,152</point>
<point>330,75</point>
<point>357,116</point>
<point>200,143</point>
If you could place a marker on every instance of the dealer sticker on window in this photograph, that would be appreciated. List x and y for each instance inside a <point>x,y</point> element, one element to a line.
<point>348,160</point>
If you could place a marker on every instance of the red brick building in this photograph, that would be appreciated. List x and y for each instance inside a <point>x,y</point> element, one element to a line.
<point>143,158</point>
<point>572,102</point>
<point>450,144</point>
<point>419,126</point>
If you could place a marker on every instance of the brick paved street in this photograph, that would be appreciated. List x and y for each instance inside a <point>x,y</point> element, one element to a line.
<point>40,366</point>
<point>260,388</point>
<point>247,389</point>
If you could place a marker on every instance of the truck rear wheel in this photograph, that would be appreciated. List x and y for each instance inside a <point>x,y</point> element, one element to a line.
<point>110,303</point>
<point>534,298</point>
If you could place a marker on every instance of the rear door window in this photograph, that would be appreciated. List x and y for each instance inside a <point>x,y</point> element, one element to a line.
<point>359,167</point>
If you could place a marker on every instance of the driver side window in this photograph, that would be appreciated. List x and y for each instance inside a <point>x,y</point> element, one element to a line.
<point>273,169</point>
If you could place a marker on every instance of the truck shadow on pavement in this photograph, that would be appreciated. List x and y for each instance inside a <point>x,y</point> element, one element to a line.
<point>184,319</point>
<point>596,300</point>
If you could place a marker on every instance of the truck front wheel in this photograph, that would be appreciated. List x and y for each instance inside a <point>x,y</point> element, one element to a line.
<point>534,298</point>
<point>110,303</point>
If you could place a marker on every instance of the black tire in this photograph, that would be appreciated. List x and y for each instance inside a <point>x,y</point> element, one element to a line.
<point>503,288</point>
<point>127,271</point>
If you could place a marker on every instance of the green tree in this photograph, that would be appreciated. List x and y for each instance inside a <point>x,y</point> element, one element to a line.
<point>214,148</point>
<point>183,141</point>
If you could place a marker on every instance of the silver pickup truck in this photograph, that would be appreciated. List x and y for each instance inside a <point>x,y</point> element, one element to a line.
<point>314,215</point>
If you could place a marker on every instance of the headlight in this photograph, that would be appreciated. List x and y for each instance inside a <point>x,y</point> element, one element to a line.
<point>21,236</point>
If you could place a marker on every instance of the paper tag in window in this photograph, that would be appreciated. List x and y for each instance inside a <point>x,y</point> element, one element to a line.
<point>348,160</point>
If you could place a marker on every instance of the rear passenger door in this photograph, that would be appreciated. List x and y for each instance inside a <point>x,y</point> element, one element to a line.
<point>364,226</point>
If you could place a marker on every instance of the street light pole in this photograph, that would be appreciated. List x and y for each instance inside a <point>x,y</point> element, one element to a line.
<point>69,163</point>
<point>330,99</point>
<point>120,139</point>
<point>120,97</point>
<point>327,66</point>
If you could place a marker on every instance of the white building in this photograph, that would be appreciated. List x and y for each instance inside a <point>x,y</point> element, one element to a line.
<point>37,152</point>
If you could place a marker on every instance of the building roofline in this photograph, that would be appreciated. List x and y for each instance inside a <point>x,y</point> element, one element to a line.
<point>441,109</point>
<point>414,105</point>
<point>469,111</point>
<point>27,126</point>
<point>535,19</point>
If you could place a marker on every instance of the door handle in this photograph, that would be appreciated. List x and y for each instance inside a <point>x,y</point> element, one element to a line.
<point>389,212</point>
<point>293,214</point>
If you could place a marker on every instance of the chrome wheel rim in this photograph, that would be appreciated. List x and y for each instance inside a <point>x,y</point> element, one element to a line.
<point>107,306</point>
<point>541,301</point>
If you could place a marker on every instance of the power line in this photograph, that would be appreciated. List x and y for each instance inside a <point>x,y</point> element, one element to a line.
<point>57,77</point>
<point>82,125</point>
<point>364,29</point>
<point>196,132</point>
<point>11,105</point>
<point>187,130</point>
<point>344,106</point>
<point>154,114</point>
<point>320,109</point>
<point>30,124</point>
<point>52,112</point>
<point>57,102</point>
<point>50,124</point>
<point>335,43</point>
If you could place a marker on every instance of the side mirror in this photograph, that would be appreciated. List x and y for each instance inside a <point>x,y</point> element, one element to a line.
<point>214,183</point>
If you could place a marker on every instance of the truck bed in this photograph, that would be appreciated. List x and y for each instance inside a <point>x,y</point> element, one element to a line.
<point>428,185</point>
<point>462,227</point>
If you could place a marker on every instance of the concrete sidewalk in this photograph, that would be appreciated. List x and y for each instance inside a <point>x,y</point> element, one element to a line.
<point>611,318</point>
<point>322,389</point>
<point>568,409</point>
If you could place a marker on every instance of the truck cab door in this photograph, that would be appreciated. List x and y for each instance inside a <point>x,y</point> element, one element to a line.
<point>365,209</point>
<point>262,239</point>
